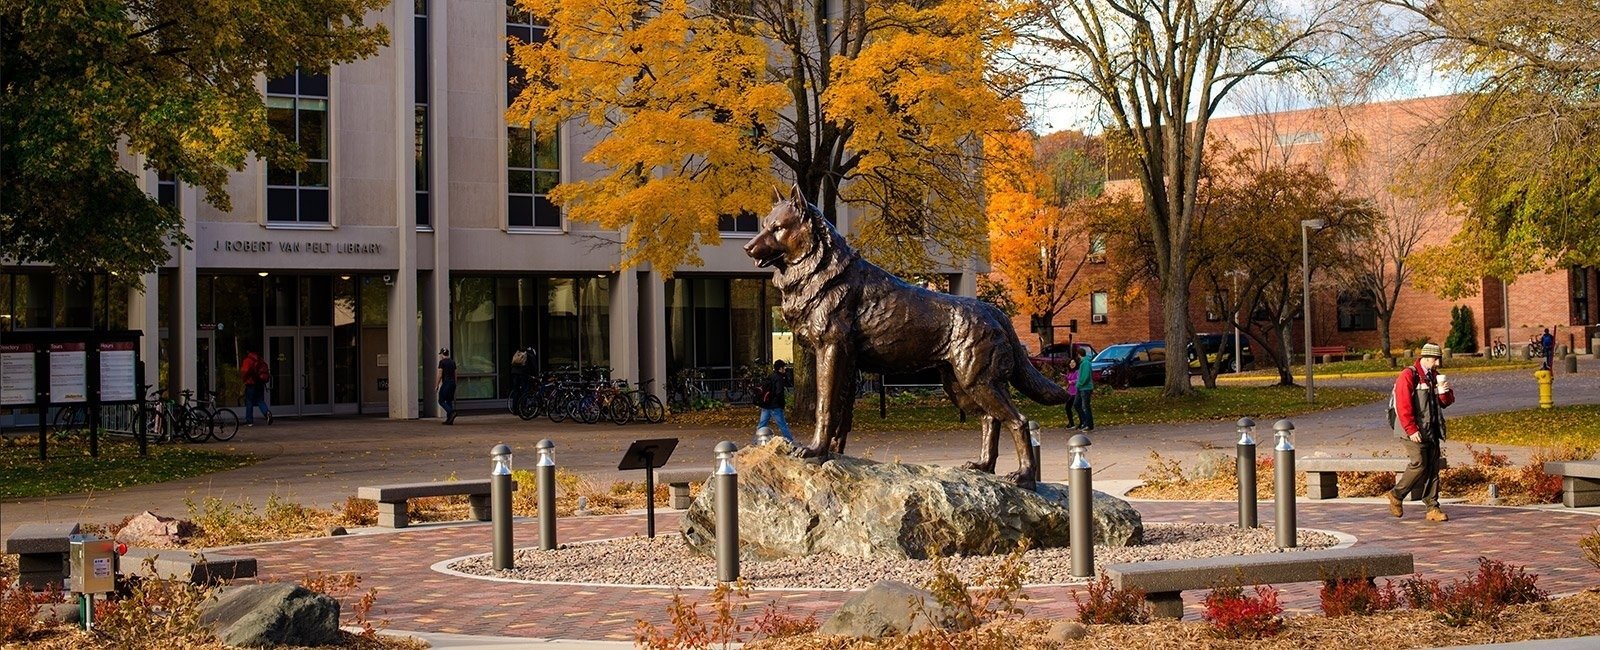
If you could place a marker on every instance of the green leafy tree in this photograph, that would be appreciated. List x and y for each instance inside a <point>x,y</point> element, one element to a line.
<point>88,86</point>
<point>1463,334</point>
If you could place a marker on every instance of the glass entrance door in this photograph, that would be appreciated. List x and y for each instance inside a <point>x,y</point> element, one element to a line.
<point>302,371</point>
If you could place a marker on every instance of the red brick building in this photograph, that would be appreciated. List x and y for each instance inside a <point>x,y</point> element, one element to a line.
<point>1364,149</point>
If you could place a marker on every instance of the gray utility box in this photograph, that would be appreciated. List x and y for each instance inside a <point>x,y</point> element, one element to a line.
<point>92,565</point>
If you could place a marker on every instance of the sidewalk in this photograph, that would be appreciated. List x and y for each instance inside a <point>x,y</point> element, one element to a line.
<point>323,460</point>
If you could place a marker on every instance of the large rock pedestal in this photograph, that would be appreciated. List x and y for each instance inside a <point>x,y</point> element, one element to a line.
<point>861,508</point>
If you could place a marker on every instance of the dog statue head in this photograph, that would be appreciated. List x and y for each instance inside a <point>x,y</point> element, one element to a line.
<point>787,232</point>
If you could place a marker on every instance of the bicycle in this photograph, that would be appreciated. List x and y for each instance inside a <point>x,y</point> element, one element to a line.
<point>1498,349</point>
<point>646,403</point>
<point>219,423</point>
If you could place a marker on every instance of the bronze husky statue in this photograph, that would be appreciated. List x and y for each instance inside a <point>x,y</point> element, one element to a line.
<point>856,316</point>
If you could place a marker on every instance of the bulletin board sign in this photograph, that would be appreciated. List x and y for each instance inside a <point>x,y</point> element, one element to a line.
<point>69,373</point>
<point>18,374</point>
<point>119,375</point>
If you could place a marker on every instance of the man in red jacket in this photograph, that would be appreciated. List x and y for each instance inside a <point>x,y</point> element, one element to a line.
<point>1420,397</point>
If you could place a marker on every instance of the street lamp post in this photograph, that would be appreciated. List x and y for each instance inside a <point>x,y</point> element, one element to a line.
<point>1238,317</point>
<point>1306,226</point>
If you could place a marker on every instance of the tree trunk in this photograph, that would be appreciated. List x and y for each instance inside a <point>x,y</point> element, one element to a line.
<point>1175,326</point>
<point>1286,357</point>
<point>1383,337</point>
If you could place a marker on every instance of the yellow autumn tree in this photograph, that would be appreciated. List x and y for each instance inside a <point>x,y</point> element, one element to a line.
<point>1039,193</point>
<point>700,108</point>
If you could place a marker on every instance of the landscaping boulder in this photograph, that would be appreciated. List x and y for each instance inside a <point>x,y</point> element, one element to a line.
<point>1065,631</point>
<point>854,507</point>
<point>262,615</point>
<point>888,608</point>
<point>151,529</point>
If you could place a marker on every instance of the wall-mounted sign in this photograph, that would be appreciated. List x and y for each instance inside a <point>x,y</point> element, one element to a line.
<point>17,373</point>
<point>69,378</point>
<point>383,383</point>
<point>296,247</point>
<point>118,377</point>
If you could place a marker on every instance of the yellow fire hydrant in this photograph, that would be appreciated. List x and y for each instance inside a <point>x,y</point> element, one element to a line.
<point>1545,378</point>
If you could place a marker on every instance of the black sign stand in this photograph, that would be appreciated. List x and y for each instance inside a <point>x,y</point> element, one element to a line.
<point>648,455</point>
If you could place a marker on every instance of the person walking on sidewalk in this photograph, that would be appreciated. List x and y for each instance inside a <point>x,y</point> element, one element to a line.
<point>1071,377</point>
<point>255,374</point>
<point>1547,343</point>
<point>1417,414</point>
<point>444,383</point>
<point>772,398</point>
<point>1084,399</point>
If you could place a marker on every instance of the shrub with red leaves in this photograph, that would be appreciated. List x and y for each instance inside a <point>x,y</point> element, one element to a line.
<point>1236,615</point>
<point>1358,597</point>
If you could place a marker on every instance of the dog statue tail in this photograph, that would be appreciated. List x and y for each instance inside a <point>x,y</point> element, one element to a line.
<point>1030,381</point>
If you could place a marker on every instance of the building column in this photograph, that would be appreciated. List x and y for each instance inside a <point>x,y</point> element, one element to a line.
<point>625,325</point>
<point>653,329</point>
<point>183,323</point>
<point>144,314</point>
<point>436,300</point>
<point>966,281</point>
<point>403,361</point>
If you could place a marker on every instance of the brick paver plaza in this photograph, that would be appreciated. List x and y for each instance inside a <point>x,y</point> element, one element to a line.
<point>414,597</point>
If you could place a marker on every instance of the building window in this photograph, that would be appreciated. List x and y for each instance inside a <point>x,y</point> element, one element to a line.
<point>1578,279</point>
<point>533,160</point>
<point>1099,306</point>
<point>167,190</point>
<point>1358,311</point>
<point>420,65</point>
<point>1301,137</point>
<point>1097,249</point>
<point>297,107</point>
<point>745,221</point>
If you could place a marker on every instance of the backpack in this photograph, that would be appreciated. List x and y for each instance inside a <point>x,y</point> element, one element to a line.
<point>765,398</point>
<point>1393,414</point>
<point>520,358</point>
<point>263,374</point>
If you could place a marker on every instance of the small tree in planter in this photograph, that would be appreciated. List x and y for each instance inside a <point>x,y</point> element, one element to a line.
<point>1463,335</point>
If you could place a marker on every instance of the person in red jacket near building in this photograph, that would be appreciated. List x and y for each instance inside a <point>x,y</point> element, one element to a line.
<point>253,371</point>
<point>1420,396</point>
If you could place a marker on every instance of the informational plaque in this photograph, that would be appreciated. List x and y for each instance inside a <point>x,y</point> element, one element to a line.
<point>17,373</point>
<point>69,377</point>
<point>118,379</point>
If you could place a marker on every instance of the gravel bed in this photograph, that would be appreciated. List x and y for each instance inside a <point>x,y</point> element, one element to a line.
<point>667,561</point>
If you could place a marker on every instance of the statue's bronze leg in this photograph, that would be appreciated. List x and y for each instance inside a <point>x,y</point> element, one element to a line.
<point>996,400</point>
<point>832,366</point>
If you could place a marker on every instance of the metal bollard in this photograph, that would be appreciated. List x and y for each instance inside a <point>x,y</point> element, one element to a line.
<point>727,487</point>
<point>547,494</point>
<point>500,505</point>
<point>763,436</point>
<point>1284,488</point>
<point>1246,463</point>
<point>1038,457</point>
<point>1572,363</point>
<point>1080,508</point>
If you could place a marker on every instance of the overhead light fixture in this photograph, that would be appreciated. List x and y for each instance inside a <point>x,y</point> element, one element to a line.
<point>262,273</point>
<point>345,278</point>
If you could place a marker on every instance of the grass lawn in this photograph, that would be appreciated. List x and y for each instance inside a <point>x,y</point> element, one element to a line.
<point>71,470</point>
<point>1131,406</point>
<point>1359,366</point>
<point>1562,426</point>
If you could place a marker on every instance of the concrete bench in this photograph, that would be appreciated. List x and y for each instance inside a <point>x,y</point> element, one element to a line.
<point>182,565</point>
<point>1164,581</point>
<point>42,553</point>
<point>678,481</point>
<point>1322,478</point>
<point>392,498</point>
<point>1580,481</point>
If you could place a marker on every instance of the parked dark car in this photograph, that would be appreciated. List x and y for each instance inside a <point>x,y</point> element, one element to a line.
<point>1219,348</point>
<point>1053,358</point>
<point>1131,364</point>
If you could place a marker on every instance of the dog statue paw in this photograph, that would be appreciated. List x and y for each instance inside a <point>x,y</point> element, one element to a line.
<point>1024,481</point>
<point>987,468</point>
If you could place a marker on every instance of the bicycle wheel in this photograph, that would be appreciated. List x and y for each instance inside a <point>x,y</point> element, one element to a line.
<point>224,424</point>
<point>531,407</point>
<point>587,410</point>
<point>70,421</point>
<point>558,408</point>
<point>621,411</point>
<point>196,425</point>
<point>652,409</point>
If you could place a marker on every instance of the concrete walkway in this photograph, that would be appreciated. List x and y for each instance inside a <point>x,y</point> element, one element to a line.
<point>323,460</point>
